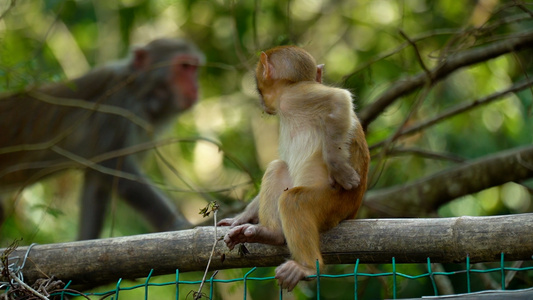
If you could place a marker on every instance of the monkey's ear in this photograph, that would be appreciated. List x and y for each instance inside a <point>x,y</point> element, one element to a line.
<point>319,72</point>
<point>267,66</point>
<point>141,59</point>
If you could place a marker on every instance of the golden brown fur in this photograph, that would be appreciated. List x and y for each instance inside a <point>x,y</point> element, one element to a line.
<point>321,175</point>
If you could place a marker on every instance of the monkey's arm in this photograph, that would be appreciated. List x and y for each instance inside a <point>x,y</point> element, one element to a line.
<point>149,201</point>
<point>250,215</point>
<point>338,125</point>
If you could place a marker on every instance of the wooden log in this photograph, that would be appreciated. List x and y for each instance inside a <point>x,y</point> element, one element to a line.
<point>444,240</point>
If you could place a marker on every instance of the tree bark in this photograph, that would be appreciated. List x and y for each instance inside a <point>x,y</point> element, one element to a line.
<point>427,194</point>
<point>444,240</point>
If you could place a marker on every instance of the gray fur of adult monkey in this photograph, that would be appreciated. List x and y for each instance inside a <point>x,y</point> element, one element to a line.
<point>63,125</point>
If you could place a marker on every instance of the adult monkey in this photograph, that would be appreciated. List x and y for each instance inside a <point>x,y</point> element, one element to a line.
<point>109,109</point>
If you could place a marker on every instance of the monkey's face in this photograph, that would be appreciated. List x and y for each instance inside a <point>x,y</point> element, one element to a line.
<point>184,80</point>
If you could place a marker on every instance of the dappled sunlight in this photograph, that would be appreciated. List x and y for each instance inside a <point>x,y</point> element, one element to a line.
<point>512,196</point>
<point>493,119</point>
<point>266,136</point>
<point>306,10</point>
<point>383,11</point>
<point>341,60</point>
<point>422,115</point>
<point>207,161</point>
<point>464,206</point>
<point>516,198</point>
<point>489,199</point>
<point>167,24</point>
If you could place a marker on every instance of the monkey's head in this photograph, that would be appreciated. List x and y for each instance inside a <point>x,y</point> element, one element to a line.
<point>279,67</point>
<point>169,71</point>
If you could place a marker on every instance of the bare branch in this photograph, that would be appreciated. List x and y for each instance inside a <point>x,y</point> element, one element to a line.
<point>452,63</point>
<point>417,52</point>
<point>402,46</point>
<point>525,9</point>
<point>93,107</point>
<point>427,194</point>
<point>425,154</point>
<point>45,168</point>
<point>388,143</point>
<point>433,33</point>
<point>457,110</point>
<point>444,240</point>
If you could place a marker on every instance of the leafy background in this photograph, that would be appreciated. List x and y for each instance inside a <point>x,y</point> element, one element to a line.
<point>228,140</point>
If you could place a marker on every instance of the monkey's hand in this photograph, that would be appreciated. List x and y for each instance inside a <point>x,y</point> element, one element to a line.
<point>343,174</point>
<point>249,233</point>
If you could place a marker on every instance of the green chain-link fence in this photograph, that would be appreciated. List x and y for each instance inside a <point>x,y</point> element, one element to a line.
<point>211,284</point>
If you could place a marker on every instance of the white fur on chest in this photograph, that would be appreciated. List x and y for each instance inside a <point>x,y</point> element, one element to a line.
<point>298,144</point>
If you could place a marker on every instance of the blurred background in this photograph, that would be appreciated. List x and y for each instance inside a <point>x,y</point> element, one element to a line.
<point>226,139</point>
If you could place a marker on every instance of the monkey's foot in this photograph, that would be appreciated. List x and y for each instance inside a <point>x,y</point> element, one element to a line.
<point>249,233</point>
<point>290,273</point>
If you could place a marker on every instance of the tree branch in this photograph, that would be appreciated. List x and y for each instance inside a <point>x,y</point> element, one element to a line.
<point>425,154</point>
<point>444,240</point>
<point>427,194</point>
<point>451,64</point>
<point>454,111</point>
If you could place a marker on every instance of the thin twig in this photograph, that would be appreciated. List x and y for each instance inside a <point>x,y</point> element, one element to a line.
<point>426,154</point>
<point>387,143</point>
<point>94,107</point>
<point>236,40</point>
<point>182,178</point>
<point>455,111</point>
<point>417,54</point>
<point>525,9</point>
<point>512,273</point>
<point>29,288</point>
<point>48,167</point>
<point>198,295</point>
<point>396,50</point>
<point>78,293</point>
<point>452,63</point>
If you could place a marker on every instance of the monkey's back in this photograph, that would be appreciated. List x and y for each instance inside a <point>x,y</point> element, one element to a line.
<point>360,160</point>
<point>36,126</point>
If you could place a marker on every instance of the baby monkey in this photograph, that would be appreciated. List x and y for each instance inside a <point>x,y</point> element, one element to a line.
<point>321,175</point>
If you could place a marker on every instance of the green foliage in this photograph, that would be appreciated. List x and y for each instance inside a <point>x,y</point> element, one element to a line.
<point>360,43</point>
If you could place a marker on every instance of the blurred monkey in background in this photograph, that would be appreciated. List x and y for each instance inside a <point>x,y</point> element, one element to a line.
<point>71,124</point>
